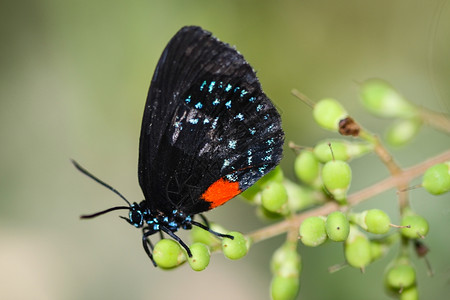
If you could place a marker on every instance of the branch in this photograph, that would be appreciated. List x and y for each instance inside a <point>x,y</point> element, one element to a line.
<point>403,178</point>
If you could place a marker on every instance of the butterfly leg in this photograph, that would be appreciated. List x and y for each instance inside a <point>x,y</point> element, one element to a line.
<point>177,238</point>
<point>146,243</point>
<point>212,231</point>
<point>205,220</point>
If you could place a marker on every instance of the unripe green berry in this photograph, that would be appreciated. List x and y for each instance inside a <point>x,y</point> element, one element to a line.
<point>284,288</point>
<point>286,261</point>
<point>342,150</point>
<point>168,254</point>
<point>300,196</point>
<point>410,293</point>
<point>357,249</point>
<point>336,176</point>
<point>337,226</point>
<point>377,221</point>
<point>307,168</point>
<point>383,100</point>
<point>235,248</point>
<point>274,197</point>
<point>400,276</point>
<point>436,179</point>
<point>403,131</point>
<point>200,256</point>
<point>418,226</point>
<point>312,231</point>
<point>328,113</point>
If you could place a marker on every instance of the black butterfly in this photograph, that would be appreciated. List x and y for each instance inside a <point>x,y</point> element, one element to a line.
<point>208,133</point>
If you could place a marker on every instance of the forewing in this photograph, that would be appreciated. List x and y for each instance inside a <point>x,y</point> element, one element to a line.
<point>208,131</point>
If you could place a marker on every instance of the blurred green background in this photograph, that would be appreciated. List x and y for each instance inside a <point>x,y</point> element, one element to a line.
<point>74,77</point>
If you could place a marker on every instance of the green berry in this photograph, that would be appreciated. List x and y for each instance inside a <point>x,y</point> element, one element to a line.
<point>336,176</point>
<point>286,261</point>
<point>436,179</point>
<point>337,226</point>
<point>403,131</point>
<point>312,231</point>
<point>307,168</point>
<point>300,196</point>
<point>342,150</point>
<point>328,113</point>
<point>418,226</point>
<point>357,249</point>
<point>410,293</point>
<point>274,197</point>
<point>383,100</point>
<point>284,288</point>
<point>168,254</point>
<point>400,276</point>
<point>377,221</point>
<point>200,256</point>
<point>235,248</point>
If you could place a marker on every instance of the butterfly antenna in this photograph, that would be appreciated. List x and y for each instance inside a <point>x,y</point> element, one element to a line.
<point>104,212</point>
<point>85,172</point>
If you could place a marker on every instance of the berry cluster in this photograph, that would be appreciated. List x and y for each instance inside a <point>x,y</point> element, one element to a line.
<point>319,209</point>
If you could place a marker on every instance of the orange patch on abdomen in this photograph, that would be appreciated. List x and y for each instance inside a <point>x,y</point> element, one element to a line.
<point>220,192</point>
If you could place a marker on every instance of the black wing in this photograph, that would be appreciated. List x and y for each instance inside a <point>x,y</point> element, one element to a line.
<point>206,121</point>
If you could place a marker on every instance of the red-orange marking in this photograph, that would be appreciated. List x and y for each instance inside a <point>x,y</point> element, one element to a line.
<point>220,192</point>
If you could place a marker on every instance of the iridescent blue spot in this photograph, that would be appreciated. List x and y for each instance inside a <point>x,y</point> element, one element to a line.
<point>266,117</point>
<point>220,84</point>
<point>174,211</point>
<point>166,219</point>
<point>156,227</point>
<point>203,85</point>
<point>243,92</point>
<point>188,218</point>
<point>262,169</point>
<point>232,144</point>
<point>193,121</point>
<point>211,86</point>
<point>214,124</point>
<point>178,124</point>
<point>215,102</point>
<point>226,163</point>
<point>252,99</point>
<point>232,177</point>
<point>259,107</point>
<point>228,104</point>
<point>239,117</point>
<point>252,130</point>
<point>267,158</point>
<point>270,141</point>
<point>228,88</point>
<point>236,89</point>
<point>188,99</point>
<point>206,121</point>
<point>173,224</point>
<point>199,105</point>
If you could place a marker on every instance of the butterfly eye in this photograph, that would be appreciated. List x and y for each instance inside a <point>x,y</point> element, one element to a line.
<point>136,217</point>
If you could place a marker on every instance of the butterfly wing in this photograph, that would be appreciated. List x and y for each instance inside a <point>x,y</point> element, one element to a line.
<point>208,132</point>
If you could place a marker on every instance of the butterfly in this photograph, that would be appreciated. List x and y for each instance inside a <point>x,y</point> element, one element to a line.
<point>208,133</point>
